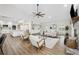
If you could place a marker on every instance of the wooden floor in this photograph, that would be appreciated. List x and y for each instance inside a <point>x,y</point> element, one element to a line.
<point>17,46</point>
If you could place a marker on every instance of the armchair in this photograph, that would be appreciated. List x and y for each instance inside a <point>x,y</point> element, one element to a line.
<point>37,41</point>
<point>25,35</point>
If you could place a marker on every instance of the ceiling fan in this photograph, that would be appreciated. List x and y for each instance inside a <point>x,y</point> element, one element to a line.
<point>38,13</point>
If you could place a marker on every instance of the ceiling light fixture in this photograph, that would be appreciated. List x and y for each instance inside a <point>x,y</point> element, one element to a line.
<point>38,13</point>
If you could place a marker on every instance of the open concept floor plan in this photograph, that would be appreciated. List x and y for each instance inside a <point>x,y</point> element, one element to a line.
<point>39,29</point>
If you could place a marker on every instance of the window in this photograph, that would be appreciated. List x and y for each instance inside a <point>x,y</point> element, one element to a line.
<point>14,27</point>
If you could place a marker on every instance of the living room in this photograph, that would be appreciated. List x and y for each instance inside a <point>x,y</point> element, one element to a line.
<point>39,29</point>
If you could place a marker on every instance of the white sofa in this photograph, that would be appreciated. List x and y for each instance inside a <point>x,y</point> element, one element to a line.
<point>51,33</point>
<point>16,33</point>
<point>51,42</point>
<point>36,40</point>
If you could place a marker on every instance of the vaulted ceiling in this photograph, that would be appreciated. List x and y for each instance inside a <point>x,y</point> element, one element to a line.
<point>16,12</point>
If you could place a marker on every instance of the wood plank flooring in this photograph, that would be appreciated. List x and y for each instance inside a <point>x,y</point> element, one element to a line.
<point>17,46</point>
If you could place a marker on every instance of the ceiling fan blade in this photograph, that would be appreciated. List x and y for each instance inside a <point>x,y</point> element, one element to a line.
<point>38,14</point>
<point>42,14</point>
